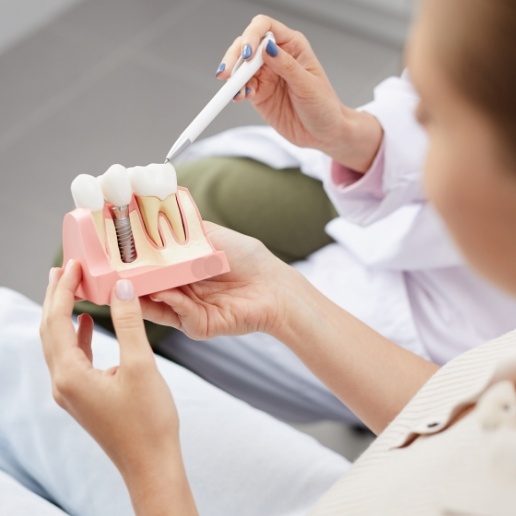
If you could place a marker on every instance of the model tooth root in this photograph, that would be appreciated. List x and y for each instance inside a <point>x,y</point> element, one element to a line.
<point>170,207</point>
<point>98,218</point>
<point>149,210</point>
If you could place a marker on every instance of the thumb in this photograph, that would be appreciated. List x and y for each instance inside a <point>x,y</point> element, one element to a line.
<point>128,323</point>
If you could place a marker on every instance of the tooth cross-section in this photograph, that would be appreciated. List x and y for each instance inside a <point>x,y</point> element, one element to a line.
<point>155,187</point>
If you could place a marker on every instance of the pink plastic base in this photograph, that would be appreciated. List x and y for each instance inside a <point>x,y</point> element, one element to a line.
<point>81,242</point>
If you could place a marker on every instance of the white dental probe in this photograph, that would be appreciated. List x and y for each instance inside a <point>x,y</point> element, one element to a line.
<point>240,75</point>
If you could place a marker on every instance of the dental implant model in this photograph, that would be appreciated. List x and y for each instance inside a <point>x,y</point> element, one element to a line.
<point>136,223</point>
<point>116,185</point>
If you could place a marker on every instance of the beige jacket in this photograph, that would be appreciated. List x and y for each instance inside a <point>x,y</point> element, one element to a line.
<point>451,451</point>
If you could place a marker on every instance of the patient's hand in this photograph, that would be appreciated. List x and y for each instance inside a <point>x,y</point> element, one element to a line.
<point>251,297</point>
<point>127,409</point>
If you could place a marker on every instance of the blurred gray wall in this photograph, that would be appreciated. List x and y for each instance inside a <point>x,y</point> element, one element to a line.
<point>18,18</point>
<point>386,20</point>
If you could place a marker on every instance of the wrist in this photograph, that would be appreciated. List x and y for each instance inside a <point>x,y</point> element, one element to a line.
<point>292,306</point>
<point>160,486</point>
<point>356,141</point>
<point>347,355</point>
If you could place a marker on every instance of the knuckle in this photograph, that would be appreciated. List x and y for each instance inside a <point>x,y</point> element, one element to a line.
<point>260,18</point>
<point>299,35</point>
<point>290,64</point>
<point>63,387</point>
<point>51,326</point>
<point>58,397</point>
<point>258,25</point>
<point>303,40</point>
<point>128,320</point>
<point>140,370</point>
<point>46,331</point>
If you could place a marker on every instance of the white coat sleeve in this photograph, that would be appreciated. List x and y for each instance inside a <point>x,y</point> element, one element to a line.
<point>388,201</point>
<point>394,179</point>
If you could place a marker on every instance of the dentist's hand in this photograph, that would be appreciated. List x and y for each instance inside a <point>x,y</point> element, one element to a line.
<point>252,297</point>
<point>127,409</point>
<point>293,94</point>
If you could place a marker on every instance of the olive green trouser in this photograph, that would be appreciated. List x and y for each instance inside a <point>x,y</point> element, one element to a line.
<point>284,209</point>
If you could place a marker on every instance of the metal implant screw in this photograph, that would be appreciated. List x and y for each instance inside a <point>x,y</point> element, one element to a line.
<point>124,234</point>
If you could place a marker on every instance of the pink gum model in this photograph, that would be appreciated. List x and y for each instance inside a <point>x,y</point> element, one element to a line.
<point>100,272</point>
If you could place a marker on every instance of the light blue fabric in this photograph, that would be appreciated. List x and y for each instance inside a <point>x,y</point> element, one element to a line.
<point>262,371</point>
<point>16,500</point>
<point>239,461</point>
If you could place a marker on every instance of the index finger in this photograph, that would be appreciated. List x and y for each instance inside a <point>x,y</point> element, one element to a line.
<point>57,330</point>
<point>53,277</point>
<point>259,26</point>
<point>63,294</point>
<point>252,37</point>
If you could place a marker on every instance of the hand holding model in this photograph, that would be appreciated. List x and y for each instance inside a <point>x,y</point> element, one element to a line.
<point>293,94</point>
<point>127,409</point>
<point>247,299</point>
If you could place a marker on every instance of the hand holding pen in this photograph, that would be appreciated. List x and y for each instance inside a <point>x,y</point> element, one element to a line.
<point>242,71</point>
<point>291,90</point>
<point>286,84</point>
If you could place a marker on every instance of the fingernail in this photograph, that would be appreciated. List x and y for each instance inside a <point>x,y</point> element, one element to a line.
<point>236,96</point>
<point>246,52</point>
<point>69,265</point>
<point>220,69</point>
<point>124,290</point>
<point>271,48</point>
<point>247,90</point>
<point>51,275</point>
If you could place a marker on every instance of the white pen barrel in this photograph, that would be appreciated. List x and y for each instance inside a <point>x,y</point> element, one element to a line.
<point>241,75</point>
<point>233,85</point>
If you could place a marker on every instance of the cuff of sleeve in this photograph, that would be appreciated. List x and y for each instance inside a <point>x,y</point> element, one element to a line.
<point>371,182</point>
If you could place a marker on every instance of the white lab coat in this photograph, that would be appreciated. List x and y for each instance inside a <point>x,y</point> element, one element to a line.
<point>393,264</point>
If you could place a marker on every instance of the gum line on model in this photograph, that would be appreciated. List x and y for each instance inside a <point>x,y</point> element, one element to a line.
<point>136,223</point>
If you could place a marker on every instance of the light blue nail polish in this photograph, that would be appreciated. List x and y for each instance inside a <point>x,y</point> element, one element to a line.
<point>246,52</point>
<point>247,90</point>
<point>221,68</point>
<point>236,96</point>
<point>272,48</point>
